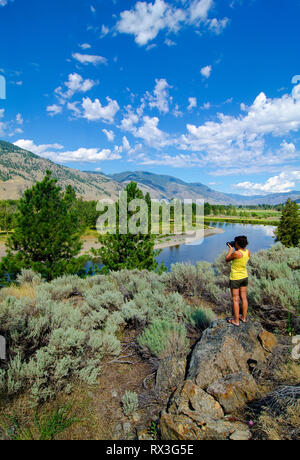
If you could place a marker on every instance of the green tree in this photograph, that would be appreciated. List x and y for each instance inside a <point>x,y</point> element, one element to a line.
<point>288,231</point>
<point>207,209</point>
<point>131,251</point>
<point>46,237</point>
<point>7,213</point>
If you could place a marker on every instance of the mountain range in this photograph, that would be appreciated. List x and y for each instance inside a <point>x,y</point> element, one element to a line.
<point>20,169</point>
<point>168,187</point>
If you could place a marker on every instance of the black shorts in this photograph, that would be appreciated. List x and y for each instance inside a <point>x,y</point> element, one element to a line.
<point>237,284</point>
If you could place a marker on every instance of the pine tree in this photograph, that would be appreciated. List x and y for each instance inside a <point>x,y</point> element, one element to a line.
<point>288,231</point>
<point>46,237</point>
<point>207,209</point>
<point>130,251</point>
<point>7,211</point>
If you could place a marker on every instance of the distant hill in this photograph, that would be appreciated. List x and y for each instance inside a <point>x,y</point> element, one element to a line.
<point>20,169</point>
<point>168,187</point>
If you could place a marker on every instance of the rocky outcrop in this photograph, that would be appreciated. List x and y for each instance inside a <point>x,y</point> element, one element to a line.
<point>219,382</point>
<point>170,373</point>
<point>234,391</point>
<point>225,349</point>
<point>195,415</point>
<point>267,340</point>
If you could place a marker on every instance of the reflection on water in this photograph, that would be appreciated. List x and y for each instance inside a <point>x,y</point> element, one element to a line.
<point>259,237</point>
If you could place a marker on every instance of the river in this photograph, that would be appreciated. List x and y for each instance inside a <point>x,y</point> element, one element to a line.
<point>259,237</point>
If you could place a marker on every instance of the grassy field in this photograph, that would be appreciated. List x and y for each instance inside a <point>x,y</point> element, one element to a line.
<point>248,216</point>
<point>237,220</point>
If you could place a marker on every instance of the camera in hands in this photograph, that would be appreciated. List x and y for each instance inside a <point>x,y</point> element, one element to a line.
<point>231,243</point>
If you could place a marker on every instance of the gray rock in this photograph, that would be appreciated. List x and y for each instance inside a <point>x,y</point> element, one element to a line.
<point>117,431</point>
<point>234,391</point>
<point>219,382</point>
<point>170,373</point>
<point>241,435</point>
<point>225,349</point>
<point>182,427</point>
<point>127,428</point>
<point>194,402</point>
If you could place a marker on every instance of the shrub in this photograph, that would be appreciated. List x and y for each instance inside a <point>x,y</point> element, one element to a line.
<point>164,338</point>
<point>130,403</point>
<point>149,305</point>
<point>29,276</point>
<point>51,342</point>
<point>202,318</point>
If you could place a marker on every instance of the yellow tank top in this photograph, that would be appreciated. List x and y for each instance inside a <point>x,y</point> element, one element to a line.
<point>239,266</point>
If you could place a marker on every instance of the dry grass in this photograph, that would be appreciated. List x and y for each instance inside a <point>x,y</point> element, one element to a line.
<point>289,372</point>
<point>278,428</point>
<point>23,291</point>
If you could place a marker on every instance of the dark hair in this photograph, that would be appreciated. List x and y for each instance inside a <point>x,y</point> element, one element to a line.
<point>242,241</point>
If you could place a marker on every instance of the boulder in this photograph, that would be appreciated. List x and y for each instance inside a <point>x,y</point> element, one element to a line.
<point>225,349</point>
<point>170,373</point>
<point>195,415</point>
<point>234,391</point>
<point>192,401</point>
<point>241,435</point>
<point>267,340</point>
<point>182,428</point>
<point>219,381</point>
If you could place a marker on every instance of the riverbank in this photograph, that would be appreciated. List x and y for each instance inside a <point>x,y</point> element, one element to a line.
<point>237,220</point>
<point>90,241</point>
<point>176,240</point>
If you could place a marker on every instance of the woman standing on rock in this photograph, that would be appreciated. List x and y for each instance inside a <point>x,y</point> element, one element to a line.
<point>238,277</point>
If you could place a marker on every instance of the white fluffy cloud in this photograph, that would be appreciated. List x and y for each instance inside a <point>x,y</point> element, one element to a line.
<point>109,134</point>
<point>55,152</point>
<point>130,120</point>
<point>218,25</point>
<point>192,103</point>
<point>89,59</point>
<point>206,71</point>
<point>10,127</point>
<point>54,109</point>
<point>29,145</point>
<point>125,142</point>
<point>160,98</point>
<point>94,111</point>
<point>85,46</point>
<point>145,20</point>
<point>150,133</point>
<point>284,182</point>
<point>238,142</point>
<point>199,9</point>
<point>19,119</point>
<point>75,84</point>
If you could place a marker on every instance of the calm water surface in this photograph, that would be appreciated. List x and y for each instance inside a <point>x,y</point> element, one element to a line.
<point>259,237</point>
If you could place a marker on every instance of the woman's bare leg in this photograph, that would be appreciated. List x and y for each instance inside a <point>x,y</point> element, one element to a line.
<point>236,306</point>
<point>243,292</point>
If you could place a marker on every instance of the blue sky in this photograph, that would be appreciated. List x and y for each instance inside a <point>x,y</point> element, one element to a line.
<point>203,90</point>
